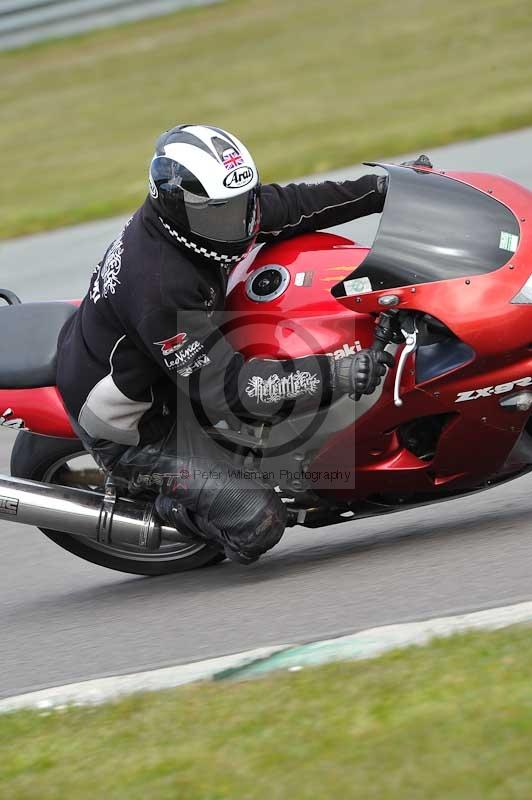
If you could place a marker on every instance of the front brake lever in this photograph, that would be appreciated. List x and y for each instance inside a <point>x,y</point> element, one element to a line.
<point>410,337</point>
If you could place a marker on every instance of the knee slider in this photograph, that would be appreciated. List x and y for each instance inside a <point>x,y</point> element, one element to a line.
<point>251,513</point>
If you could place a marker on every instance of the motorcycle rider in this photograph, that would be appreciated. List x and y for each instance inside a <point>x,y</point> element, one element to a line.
<point>143,366</point>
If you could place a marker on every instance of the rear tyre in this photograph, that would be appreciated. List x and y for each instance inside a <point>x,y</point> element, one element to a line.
<point>65,462</point>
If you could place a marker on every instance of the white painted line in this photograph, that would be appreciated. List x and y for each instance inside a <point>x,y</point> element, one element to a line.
<point>366,644</point>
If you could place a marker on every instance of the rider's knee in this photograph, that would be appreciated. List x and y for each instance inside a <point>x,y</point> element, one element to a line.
<point>251,514</point>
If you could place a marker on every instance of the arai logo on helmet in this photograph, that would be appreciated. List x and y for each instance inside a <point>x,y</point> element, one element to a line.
<point>153,188</point>
<point>239,177</point>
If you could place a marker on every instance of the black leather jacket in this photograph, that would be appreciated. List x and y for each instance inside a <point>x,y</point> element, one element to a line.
<point>150,325</point>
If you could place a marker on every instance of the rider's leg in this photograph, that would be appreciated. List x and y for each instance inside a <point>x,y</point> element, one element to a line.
<point>204,493</point>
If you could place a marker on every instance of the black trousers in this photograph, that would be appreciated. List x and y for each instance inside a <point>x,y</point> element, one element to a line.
<point>200,486</point>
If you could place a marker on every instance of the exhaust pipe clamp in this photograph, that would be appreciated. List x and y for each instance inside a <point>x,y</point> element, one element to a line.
<point>105,523</point>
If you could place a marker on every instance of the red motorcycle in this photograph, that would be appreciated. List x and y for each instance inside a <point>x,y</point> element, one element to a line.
<point>447,286</point>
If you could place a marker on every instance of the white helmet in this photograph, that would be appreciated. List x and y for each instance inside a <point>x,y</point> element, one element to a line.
<point>204,185</point>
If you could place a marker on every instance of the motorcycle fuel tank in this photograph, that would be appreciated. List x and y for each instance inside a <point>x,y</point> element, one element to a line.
<point>281,306</point>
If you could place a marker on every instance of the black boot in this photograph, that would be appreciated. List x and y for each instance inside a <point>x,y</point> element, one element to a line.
<point>198,530</point>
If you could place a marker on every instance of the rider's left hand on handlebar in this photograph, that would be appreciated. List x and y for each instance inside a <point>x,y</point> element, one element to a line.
<point>420,161</point>
<point>362,373</point>
<point>383,180</point>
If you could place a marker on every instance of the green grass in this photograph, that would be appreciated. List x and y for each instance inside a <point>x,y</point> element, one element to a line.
<point>308,85</point>
<point>451,721</point>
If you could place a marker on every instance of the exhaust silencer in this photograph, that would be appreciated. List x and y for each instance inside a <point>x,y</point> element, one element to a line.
<point>101,517</point>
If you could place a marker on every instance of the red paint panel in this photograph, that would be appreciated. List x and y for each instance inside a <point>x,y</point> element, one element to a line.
<point>41,409</point>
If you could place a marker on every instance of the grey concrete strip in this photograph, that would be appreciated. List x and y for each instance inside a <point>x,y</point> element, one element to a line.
<point>58,264</point>
<point>103,689</point>
<point>376,641</point>
<point>254,663</point>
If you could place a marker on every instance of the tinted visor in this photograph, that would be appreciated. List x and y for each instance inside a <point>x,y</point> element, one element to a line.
<point>234,220</point>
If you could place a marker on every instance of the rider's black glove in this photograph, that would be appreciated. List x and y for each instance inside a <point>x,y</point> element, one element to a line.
<point>383,180</point>
<point>420,161</point>
<point>362,373</point>
<point>382,185</point>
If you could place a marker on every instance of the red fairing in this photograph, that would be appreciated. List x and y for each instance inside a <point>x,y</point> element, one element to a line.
<point>305,318</point>
<point>41,410</point>
<point>477,438</point>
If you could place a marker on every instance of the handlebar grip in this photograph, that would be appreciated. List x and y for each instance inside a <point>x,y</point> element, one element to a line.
<point>379,344</point>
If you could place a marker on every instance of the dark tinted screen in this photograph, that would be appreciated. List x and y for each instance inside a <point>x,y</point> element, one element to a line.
<point>434,228</point>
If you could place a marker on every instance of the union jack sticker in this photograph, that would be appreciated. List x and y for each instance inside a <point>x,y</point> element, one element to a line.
<point>231,158</point>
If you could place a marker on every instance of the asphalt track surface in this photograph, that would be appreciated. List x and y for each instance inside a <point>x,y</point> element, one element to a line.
<point>64,620</point>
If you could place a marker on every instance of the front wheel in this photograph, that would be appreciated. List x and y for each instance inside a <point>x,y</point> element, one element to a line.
<point>65,462</point>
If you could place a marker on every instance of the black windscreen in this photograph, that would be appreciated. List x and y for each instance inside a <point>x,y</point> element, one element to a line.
<point>435,228</point>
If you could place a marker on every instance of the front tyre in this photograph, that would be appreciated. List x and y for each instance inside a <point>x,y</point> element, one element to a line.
<point>65,462</point>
